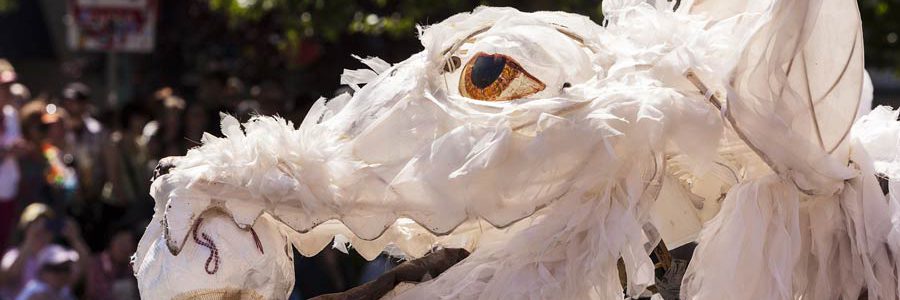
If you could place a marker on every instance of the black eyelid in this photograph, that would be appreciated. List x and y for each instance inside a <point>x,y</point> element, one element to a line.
<point>487,68</point>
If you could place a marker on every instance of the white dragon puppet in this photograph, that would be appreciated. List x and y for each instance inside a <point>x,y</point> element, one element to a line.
<point>552,147</point>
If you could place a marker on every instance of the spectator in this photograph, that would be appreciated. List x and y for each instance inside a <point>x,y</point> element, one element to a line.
<point>29,262</point>
<point>20,94</point>
<point>169,140</point>
<point>130,165</point>
<point>128,158</point>
<point>109,274</point>
<point>10,149</point>
<point>46,170</point>
<point>60,176</point>
<point>32,164</point>
<point>30,119</point>
<point>54,276</point>
<point>85,138</point>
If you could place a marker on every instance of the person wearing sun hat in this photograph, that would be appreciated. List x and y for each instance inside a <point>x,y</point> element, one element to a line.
<point>55,273</point>
<point>36,265</point>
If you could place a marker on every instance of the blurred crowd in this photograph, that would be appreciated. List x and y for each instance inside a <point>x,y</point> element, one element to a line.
<point>67,171</point>
<point>74,184</point>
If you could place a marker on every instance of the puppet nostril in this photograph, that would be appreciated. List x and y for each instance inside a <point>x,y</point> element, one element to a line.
<point>452,64</point>
<point>162,168</point>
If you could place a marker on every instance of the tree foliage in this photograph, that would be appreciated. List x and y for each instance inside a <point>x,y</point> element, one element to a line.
<point>328,20</point>
<point>881,30</point>
<point>7,6</point>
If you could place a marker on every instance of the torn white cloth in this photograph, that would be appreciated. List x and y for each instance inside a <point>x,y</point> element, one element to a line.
<point>551,188</point>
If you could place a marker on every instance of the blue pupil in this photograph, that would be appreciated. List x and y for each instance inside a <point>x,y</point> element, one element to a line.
<point>487,69</point>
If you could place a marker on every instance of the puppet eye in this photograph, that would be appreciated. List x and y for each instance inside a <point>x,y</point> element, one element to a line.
<point>497,77</point>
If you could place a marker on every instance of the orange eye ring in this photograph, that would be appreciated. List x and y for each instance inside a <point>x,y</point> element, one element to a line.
<point>497,77</point>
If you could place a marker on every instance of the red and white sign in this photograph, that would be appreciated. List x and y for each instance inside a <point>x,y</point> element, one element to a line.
<point>112,25</point>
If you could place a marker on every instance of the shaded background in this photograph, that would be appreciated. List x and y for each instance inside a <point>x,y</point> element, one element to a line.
<point>298,46</point>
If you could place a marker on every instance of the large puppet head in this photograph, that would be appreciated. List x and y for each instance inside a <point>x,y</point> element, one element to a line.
<point>506,116</point>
